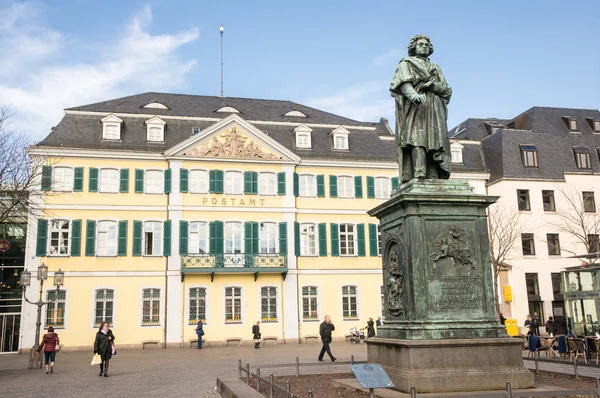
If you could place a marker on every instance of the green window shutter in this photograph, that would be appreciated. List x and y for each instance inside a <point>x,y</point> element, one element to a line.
<point>42,238</point>
<point>297,239</point>
<point>75,238</point>
<point>394,183</point>
<point>122,240</point>
<point>124,180</point>
<point>78,179</point>
<point>168,181</point>
<point>139,184</point>
<point>184,180</point>
<point>167,238</point>
<point>371,187</point>
<point>323,240</point>
<point>335,239</point>
<point>333,186</point>
<point>250,182</point>
<point>296,184</point>
<point>93,181</point>
<point>283,246</point>
<point>90,238</point>
<point>320,186</point>
<point>373,241</point>
<point>216,181</point>
<point>183,237</point>
<point>216,237</point>
<point>137,239</point>
<point>281,183</point>
<point>360,238</point>
<point>358,191</point>
<point>46,180</point>
<point>251,237</point>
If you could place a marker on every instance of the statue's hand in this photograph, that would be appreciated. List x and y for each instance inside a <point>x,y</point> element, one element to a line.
<point>420,99</point>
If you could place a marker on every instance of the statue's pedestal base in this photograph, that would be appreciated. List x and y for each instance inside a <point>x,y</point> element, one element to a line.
<point>452,364</point>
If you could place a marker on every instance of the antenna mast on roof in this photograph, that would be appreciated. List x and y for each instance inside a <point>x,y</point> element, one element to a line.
<point>221,29</point>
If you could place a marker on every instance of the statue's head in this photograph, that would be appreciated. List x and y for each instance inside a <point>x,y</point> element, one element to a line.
<point>420,45</point>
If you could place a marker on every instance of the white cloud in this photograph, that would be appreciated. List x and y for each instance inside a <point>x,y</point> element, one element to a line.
<point>391,56</point>
<point>39,89</point>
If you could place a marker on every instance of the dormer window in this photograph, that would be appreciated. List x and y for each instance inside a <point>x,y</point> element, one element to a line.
<point>529,155</point>
<point>228,109</point>
<point>571,123</point>
<point>456,152</point>
<point>295,114</point>
<point>303,137</point>
<point>155,129</point>
<point>340,139</point>
<point>111,127</point>
<point>583,159</point>
<point>155,105</point>
<point>594,124</point>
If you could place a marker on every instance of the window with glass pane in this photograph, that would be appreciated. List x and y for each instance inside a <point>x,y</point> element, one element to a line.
<point>198,239</point>
<point>198,180</point>
<point>111,132</point>
<point>155,134</point>
<point>268,304</point>
<point>104,306</point>
<point>556,285</point>
<point>309,303</point>
<point>456,155</point>
<point>62,179</point>
<point>59,237</point>
<point>151,307</point>
<point>268,238</point>
<point>382,301</point>
<point>307,185</point>
<point>593,243</point>
<point>572,124</point>
<point>596,126</point>
<point>548,200</point>
<point>382,187</point>
<point>266,184</point>
<point>347,246</point>
<point>341,142</point>
<point>55,309</point>
<point>197,305</point>
<point>529,155</point>
<point>302,141</point>
<point>152,238</point>
<point>154,181</point>
<point>583,159</point>
<point>531,282</point>
<point>349,302</point>
<point>523,200</point>
<point>553,244</point>
<point>233,237</point>
<point>107,238</point>
<point>234,182</point>
<point>308,240</point>
<point>109,180</point>
<point>589,202</point>
<point>345,187</point>
<point>528,244</point>
<point>233,305</point>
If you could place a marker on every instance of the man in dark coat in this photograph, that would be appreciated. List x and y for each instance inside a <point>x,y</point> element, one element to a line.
<point>325,331</point>
<point>256,334</point>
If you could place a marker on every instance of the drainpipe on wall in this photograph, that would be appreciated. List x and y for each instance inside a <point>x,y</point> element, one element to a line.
<point>166,300</point>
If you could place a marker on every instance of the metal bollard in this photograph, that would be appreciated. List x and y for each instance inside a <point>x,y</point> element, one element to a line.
<point>537,365</point>
<point>310,394</point>
<point>258,379</point>
<point>413,392</point>
<point>271,386</point>
<point>598,386</point>
<point>575,367</point>
<point>239,368</point>
<point>297,366</point>
<point>248,373</point>
<point>351,359</point>
<point>288,389</point>
<point>508,389</point>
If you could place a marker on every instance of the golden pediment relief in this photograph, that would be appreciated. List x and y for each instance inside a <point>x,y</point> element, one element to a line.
<point>232,144</point>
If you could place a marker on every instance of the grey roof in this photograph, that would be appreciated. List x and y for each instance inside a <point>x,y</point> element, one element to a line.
<point>475,129</point>
<point>473,160</point>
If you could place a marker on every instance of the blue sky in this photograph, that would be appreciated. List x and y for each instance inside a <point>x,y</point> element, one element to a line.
<point>500,57</point>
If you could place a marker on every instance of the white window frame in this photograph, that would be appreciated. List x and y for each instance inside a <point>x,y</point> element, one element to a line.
<point>347,234</point>
<point>95,300</point>
<point>269,296</point>
<point>102,178</point>
<point>306,132</point>
<point>596,125</point>
<point>233,233</point>
<point>295,114</point>
<point>195,236</point>
<point>198,175</point>
<point>160,239</point>
<point>349,297</point>
<point>160,305</point>
<point>155,105</point>
<point>228,109</point>
<point>264,236</point>
<point>189,306</point>
<point>345,190</point>
<point>111,121</point>
<point>386,184</point>
<point>305,240</point>
<point>456,152</point>
<point>115,241</point>
<point>233,312</point>
<point>318,299</point>
<point>344,142</point>
<point>313,187</point>
<point>158,187</point>
<point>66,183</point>
<point>155,123</point>
<point>68,239</point>
<point>229,187</point>
<point>267,184</point>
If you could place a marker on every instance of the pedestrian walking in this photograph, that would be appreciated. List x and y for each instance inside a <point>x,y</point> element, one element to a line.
<point>199,333</point>
<point>50,344</point>
<point>528,325</point>
<point>104,345</point>
<point>535,324</point>
<point>551,326</point>
<point>325,331</point>
<point>370,328</point>
<point>256,334</point>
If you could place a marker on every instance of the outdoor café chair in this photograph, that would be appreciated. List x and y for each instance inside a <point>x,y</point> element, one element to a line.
<point>577,347</point>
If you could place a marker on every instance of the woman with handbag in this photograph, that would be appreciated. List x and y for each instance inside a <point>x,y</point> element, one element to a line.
<point>50,345</point>
<point>105,347</point>
<point>200,333</point>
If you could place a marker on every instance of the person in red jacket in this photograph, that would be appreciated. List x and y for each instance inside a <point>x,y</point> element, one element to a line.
<point>49,344</point>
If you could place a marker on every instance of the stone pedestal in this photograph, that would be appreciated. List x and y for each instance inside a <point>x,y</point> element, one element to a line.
<point>440,331</point>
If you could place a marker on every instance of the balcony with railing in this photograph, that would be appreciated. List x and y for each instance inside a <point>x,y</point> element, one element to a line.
<point>224,263</point>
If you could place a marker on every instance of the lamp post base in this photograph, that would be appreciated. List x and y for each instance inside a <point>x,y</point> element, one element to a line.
<point>35,360</point>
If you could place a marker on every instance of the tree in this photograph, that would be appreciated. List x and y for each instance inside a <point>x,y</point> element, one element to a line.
<point>505,228</point>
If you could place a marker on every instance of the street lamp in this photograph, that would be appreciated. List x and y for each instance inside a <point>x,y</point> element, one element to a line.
<point>42,275</point>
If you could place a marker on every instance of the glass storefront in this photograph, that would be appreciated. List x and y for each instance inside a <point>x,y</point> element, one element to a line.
<point>581,291</point>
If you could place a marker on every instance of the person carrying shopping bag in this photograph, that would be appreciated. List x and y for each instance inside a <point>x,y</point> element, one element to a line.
<point>104,346</point>
<point>50,344</point>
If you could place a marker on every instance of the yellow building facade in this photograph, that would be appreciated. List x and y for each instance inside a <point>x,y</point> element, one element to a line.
<point>165,209</point>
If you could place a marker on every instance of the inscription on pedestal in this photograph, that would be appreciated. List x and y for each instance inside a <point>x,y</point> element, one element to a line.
<point>455,295</point>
